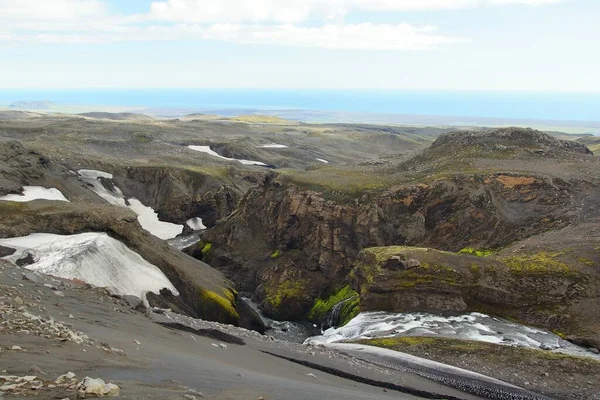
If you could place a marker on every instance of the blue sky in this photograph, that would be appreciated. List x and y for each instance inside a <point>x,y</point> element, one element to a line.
<point>512,45</point>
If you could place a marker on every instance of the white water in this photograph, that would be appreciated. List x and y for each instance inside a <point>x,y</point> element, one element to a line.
<point>147,217</point>
<point>274,146</point>
<point>196,224</point>
<point>208,150</point>
<point>94,258</point>
<point>475,326</point>
<point>31,193</point>
<point>323,161</point>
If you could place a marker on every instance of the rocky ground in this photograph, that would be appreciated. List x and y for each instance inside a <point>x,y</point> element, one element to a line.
<point>55,334</point>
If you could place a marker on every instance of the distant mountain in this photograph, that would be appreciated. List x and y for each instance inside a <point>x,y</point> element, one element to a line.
<point>32,105</point>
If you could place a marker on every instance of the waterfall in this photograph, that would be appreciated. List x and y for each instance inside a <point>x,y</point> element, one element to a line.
<point>335,316</point>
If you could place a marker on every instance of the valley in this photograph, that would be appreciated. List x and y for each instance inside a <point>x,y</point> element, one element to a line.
<point>209,249</point>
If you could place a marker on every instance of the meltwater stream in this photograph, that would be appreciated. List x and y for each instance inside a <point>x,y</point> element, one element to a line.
<point>474,326</point>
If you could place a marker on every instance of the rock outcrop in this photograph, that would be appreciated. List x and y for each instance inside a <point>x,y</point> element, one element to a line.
<point>205,293</point>
<point>556,289</point>
<point>293,245</point>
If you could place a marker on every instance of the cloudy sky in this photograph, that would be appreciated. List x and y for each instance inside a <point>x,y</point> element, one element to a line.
<point>541,45</point>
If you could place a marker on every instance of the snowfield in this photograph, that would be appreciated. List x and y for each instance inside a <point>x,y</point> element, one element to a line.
<point>94,258</point>
<point>323,161</point>
<point>208,150</point>
<point>31,193</point>
<point>147,217</point>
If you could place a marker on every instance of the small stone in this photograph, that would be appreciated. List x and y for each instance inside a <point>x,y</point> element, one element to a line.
<point>189,397</point>
<point>223,345</point>
<point>16,348</point>
<point>90,387</point>
<point>61,379</point>
<point>18,301</point>
<point>312,375</point>
<point>59,293</point>
<point>29,378</point>
<point>37,384</point>
<point>136,342</point>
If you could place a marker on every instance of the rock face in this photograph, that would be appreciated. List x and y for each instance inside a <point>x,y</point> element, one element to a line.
<point>555,290</point>
<point>205,293</point>
<point>293,245</point>
<point>179,194</point>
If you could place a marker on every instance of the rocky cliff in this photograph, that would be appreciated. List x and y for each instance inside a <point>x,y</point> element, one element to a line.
<point>292,245</point>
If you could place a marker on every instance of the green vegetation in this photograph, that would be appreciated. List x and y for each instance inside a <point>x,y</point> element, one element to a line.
<point>322,307</point>
<point>288,290</point>
<point>484,351</point>
<point>206,249</point>
<point>476,252</point>
<point>539,263</point>
<point>276,254</point>
<point>586,261</point>
<point>215,305</point>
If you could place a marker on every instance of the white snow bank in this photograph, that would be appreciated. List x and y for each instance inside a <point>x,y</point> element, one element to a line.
<point>274,146</point>
<point>208,150</point>
<point>147,217</point>
<point>31,193</point>
<point>323,161</point>
<point>95,258</point>
<point>474,326</point>
<point>196,224</point>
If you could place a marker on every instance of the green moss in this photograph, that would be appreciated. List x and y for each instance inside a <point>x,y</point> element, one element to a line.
<point>539,263</point>
<point>322,307</point>
<point>288,290</point>
<point>276,254</point>
<point>476,252</point>
<point>206,249</point>
<point>218,307</point>
<point>487,351</point>
<point>586,261</point>
<point>560,334</point>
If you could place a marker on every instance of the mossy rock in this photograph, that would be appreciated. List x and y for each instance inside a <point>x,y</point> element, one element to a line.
<point>323,307</point>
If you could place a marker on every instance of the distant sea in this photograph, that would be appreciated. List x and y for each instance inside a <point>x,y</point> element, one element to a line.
<point>508,105</point>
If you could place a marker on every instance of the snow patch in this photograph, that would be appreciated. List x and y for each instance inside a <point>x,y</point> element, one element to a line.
<point>208,150</point>
<point>274,146</point>
<point>196,224</point>
<point>95,258</point>
<point>31,193</point>
<point>323,161</point>
<point>147,217</point>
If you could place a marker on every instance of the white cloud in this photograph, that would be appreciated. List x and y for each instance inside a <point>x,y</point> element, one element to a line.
<point>55,10</point>
<point>299,23</point>
<point>358,36</point>
<point>287,11</point>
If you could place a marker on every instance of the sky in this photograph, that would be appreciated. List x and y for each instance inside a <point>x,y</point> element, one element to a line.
<point>504,45</point>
